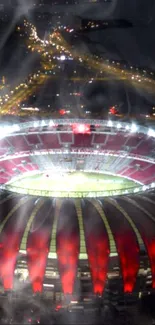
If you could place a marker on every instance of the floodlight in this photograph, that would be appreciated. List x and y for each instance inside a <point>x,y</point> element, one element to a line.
<point>127,127</point>
<point>35,124</point>
<point>43,123</point>
<point>151,133</point>
<point>110,123</point>
<point>62,58</point>
<point>16,127</point>
<point>134,127</point>
<point>118,126</point>
<point>51,123</point>
<point>81,128</point>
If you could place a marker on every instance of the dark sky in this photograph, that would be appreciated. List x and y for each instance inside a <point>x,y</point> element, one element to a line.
<point>137,44</point>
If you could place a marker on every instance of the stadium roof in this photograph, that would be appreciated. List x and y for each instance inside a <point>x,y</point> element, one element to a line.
<point>115,238</point>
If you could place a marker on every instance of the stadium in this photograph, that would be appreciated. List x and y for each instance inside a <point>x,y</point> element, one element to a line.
<point>77,209</point>
<point>77,164</point>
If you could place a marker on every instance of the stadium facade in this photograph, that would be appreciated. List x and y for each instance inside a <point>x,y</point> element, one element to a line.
<point>94,243</point>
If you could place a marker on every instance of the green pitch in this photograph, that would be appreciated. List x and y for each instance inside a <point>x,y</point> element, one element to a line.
<point>58,182</point>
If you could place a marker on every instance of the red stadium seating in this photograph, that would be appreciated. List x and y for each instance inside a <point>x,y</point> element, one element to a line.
<point>99,139</point>
<point>139,170</point>
<point>4,179</point>
<point>50,141</point>
<point>82,140</point>
<point>8,167</point>
<point>13,167</point>
<point>66,138</point>
<point>145,147</point>
<point>140,164</point>
<point>114,142</point>
<point>137,144</point>
<point>18,143</point>
<point>133,140</point>
<point>32,139</point>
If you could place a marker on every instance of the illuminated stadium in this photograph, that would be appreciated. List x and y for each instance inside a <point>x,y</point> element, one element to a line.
<point>77,208</point>
<point>77,162</point>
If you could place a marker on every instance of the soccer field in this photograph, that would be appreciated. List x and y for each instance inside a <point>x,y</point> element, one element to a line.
<point>73,182</point>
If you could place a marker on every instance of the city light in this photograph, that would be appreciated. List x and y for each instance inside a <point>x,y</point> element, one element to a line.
<point>51,50</point>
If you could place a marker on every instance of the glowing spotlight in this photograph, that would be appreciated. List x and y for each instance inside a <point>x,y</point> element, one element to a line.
<point>127,127</point>
<point>51,123</point>
<point>35,124</point>
<point>43,123</point>
<point>16,128</point>
<point>134,128</point>
<point>62,111</point>
<point>118,126</point>
<point>113,110</point>
<point>151,133</point>
<point>110,123</point>
<point>62,58</point>
<point>81,128</point>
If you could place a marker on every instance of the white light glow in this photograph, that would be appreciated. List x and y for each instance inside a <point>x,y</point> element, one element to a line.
<point>43,123</point>
<point>4,131</point>
<point>134,128</point>
<point>110,123</point>
<point>151,133</point>
<point>35,124</point>
<point>62,58</point>
<point>51,123</point>
<point>118,126</point>
<point>48,285</point>
<point>136,190</point>
<point>16,127</point>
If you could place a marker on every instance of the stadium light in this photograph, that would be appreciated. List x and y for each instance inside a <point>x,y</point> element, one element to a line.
<point>48,285</point>
<point>134,127</point>
<point>6,130</point>
<point>81,128</point>
<point>16,127</point>
<point>127,127</point>
<point>35,124</point>
<point>51,123</point>
<point>151,133</point>
<point>62,58</point>
<point>110,123</point>
<point>43,123</point>
<point>118,126</point>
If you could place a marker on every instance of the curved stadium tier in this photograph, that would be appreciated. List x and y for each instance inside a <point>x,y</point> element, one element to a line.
<point>77,207</point>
